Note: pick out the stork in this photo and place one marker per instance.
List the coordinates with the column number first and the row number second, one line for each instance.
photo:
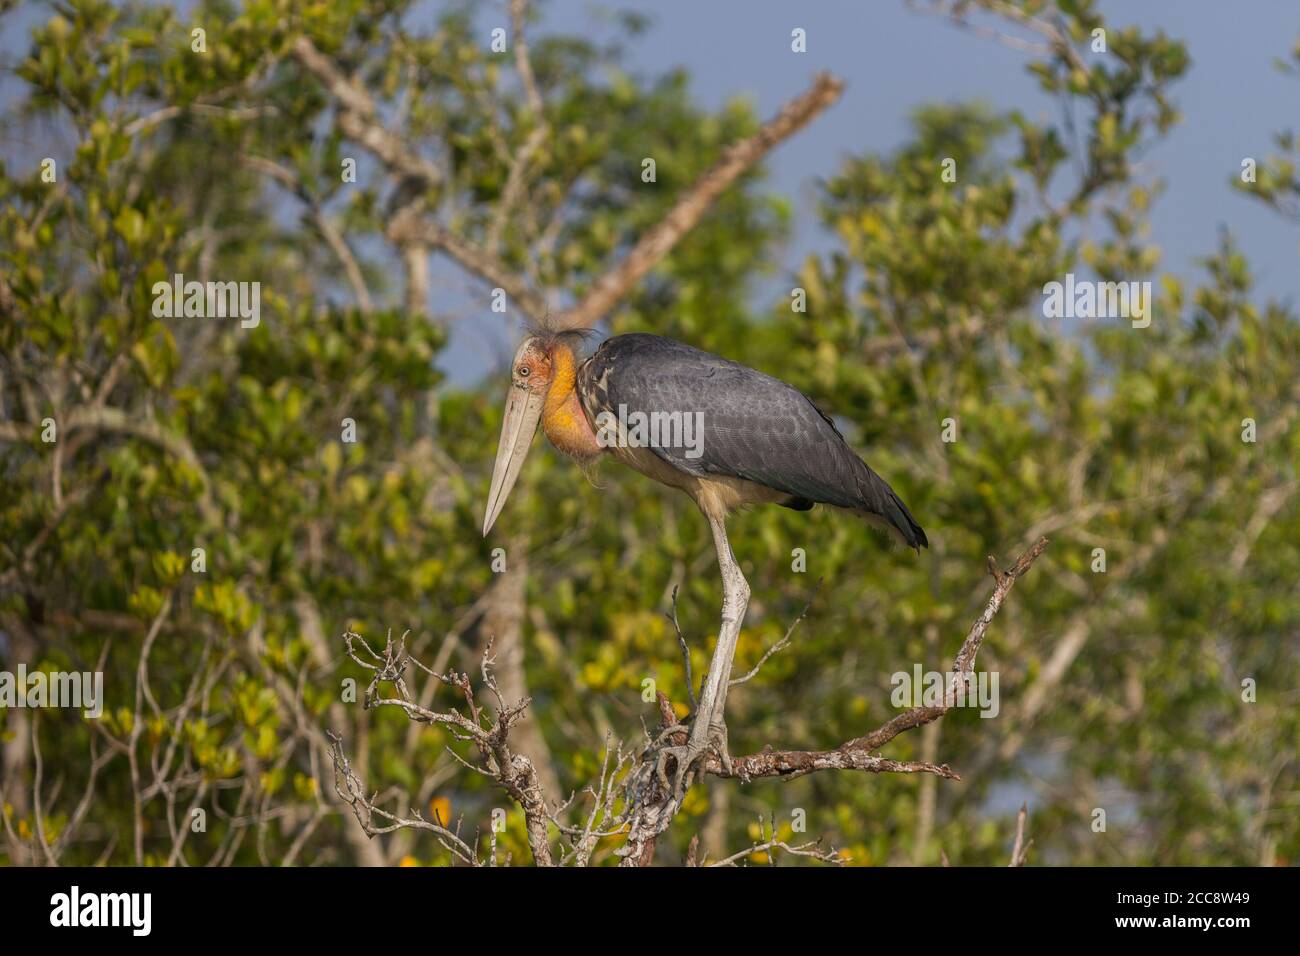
column 761, row 442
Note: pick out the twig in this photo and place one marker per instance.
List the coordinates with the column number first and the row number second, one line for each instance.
column 811, row 849
column 856, row 754
column 1020, row 849
column 366, row 811
column 333, row 238
column 782, row 643
column 686, row 652
column 359, row 117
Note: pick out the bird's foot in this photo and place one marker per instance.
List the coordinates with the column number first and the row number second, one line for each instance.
column 668, row 732
column 686, row 756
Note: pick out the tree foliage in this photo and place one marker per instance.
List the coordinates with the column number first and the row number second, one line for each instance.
column 1121, row 690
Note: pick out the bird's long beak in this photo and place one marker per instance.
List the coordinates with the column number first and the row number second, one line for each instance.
column 523, row 411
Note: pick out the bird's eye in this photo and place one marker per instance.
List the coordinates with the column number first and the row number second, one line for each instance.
column 524, row 371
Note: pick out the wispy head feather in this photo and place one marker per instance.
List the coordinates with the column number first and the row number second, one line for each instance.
column 552, row 331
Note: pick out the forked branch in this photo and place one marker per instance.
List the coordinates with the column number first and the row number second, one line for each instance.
column 857, row 754
column 630, row 797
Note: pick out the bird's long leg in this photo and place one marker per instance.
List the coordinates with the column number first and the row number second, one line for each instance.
column 735, row 600
column 708, row 726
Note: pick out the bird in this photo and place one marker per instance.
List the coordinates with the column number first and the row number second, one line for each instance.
column 727, row 435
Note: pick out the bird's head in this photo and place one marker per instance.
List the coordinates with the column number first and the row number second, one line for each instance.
column 541, row 358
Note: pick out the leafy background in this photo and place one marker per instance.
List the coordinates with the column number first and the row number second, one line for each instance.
column 1120, row 690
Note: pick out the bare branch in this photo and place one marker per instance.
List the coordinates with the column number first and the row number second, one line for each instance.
column 648, row 804
column 333, row 238
column 517, row 177
column 475, row 259
column 857, row 754
column 779, row 645
column 614, row 285
column 686, row 651
column 366, row 812
column 1020, row 849
column 512, row 771
column 359, row 118
column 811, row 849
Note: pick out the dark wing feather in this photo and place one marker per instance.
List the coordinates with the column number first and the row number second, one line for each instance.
column 754, row 426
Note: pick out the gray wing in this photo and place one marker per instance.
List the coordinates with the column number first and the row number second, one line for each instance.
column 753, row 426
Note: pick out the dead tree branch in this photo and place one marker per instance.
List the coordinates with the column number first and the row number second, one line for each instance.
column 329, row 232
column 358, row 117
column 653, row 806
column 1020, row 849
column 512, row 771
column 857, row 754
column 631, row 796
column 607, row 291
column 352, row 792
column 360, row 120
column 771, row 844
